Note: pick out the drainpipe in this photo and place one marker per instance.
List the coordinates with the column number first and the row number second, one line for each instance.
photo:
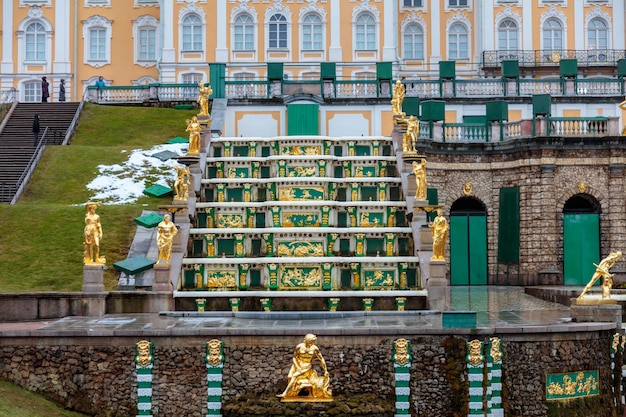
column 75, row 59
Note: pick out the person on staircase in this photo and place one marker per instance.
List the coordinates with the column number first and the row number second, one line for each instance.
column 35, row 130
column 45, row 90
column 62, row 90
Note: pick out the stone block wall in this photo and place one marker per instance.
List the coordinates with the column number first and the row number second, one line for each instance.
column 96, row 375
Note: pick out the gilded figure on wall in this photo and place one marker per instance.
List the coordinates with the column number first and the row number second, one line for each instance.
column 419, row 170
column 204, row 93
column 602, row 271
column 399, row 92
column 440, row 231
column 194, row 129
column 166, row 230
column 412, row 132
column 92, row 235
column 181, row 185
column 302, row 376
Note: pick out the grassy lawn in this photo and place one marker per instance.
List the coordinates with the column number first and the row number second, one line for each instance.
column 41, row 236
column 16, row 402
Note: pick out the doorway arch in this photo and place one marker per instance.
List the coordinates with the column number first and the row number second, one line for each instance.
column 468, row 242
column 581, row 238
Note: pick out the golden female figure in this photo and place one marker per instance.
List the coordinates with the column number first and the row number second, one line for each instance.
column 440, row 230
column 166, row 230
column 194, row 128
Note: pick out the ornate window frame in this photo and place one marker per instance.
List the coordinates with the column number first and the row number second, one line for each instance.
column 192, row 55
column 414, row 19
column 148, row 22
column 97, row 21
column 246, row 55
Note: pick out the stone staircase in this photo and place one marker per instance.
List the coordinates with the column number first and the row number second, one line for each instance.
column 16, row 139
column 301, row 223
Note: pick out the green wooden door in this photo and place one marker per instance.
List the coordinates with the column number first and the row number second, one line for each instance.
column 468, row 249
column 303, row 119
column 581, row 247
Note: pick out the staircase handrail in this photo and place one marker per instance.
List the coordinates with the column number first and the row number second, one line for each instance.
column 7, row 116
column 72, row 127
column 30, row 168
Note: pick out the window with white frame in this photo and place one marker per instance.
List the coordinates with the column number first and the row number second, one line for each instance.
column 365, row 31
column 458, row 42
column 192, row 33
column 192, row 78
column 35, row 41
column 312, row 33
column 412, row 3
column 97, row 34
column 597, row 34
column 552, row 34
column 32, row 91
column 458, row 3
column 277, row 31
column 244, row 33
column 145, row 33
column 97, row 2
column 507, row 35
column 413, row 41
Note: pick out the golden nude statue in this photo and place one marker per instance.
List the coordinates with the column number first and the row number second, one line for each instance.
column 194, row 128
column 181, row 185
column 419, row 170
column 602, row 271
column 440, row 231
column 92, row 235
column 203, row 98
column 302, row 376
column 411, row 134
column 166, row 230
column 398, row 98
column 622, row 106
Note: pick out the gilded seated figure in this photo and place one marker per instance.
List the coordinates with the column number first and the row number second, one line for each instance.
column 302, row 375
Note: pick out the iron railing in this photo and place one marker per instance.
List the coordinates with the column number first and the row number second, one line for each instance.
column 552, row 57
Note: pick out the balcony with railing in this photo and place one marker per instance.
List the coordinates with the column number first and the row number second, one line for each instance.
column 552, row 57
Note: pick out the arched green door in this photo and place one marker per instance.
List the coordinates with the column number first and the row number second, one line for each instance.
column 581, row 247
column 468, row 249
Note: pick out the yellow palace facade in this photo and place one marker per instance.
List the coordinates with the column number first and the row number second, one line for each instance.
column 137, row 42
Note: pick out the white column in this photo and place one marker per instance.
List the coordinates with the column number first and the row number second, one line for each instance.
column 619, row 13
column 221, row 52
column 390, row 31
column 528, row 27
column 436, row 35
column 168, row 53
column 334, row 53
column 486, row 27
column 8, row 36
column 61, row 62
column 578, row 27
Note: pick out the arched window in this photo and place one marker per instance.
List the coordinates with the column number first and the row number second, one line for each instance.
column 552, row 35
column 507, row 35
column 458, row 42
column 365, row 32
column 192, row 33
column 597, row 34
column 35, row 42
column 312, row 33
column 244, row 33
column 413, row 42
column 278, row 31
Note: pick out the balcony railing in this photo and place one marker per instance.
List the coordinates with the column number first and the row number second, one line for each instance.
column 552, row 57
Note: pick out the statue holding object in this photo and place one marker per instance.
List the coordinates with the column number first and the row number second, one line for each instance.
column 602, row 271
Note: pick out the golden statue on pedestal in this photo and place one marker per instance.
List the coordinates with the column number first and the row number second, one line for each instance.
column 440, row 230
column 412, row 132
column 181, row 185
column 397, row 99
column 166, row 230
column 194, row 128
column 419, row 170
column 303, row 378
column 602, row 271
column 92, row 235
column 203, row 98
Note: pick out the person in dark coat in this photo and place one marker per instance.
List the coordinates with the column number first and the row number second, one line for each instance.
column 62, row 90
column 45, row 90
column 35, row 130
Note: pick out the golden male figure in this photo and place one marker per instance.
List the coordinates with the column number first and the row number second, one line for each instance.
column 166, row 230
column 602, row 271
column 440, row 230
column 302, row 375
column 203, row 98
column 419, row 170
column 398, row 97
column 181, row 185
column 92, row 234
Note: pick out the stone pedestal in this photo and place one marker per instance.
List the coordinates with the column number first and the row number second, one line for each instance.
column 426, row 238
column 437, row 277
column 585, row 311
column 93, row 278
column 162, row 278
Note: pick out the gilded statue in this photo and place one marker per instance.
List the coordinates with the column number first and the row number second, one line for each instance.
column 181, row 185
column 411, row 134
column 398, row 98
column 602, row 271
column 92, row 235
column 194, row 128
column 302, row 376
column 166, row 230
column 419, row 170
column 204, row 93
column 440, row 231
column 622, row 106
